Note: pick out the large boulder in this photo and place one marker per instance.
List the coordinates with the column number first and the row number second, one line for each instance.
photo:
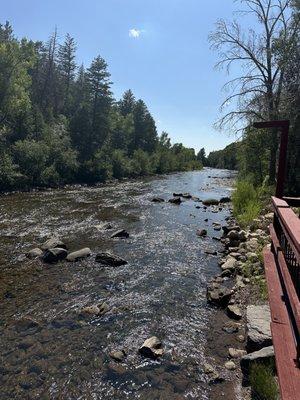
column 152, row 348
column 258, row 327
column 263, row 356
column 109, row 259
column 234, row 312
column 54, row 255
column 79, row 254
column 52, row 243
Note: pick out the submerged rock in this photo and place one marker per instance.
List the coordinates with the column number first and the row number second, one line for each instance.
column 79, row 254
column 112, row 260
column 104, row 226
column 34, row 253
column 152, row 348
column 53, row 243
column 186, row 195
column 201, row 232
column 99, row 309
column 121, row 233
column 177, row 194
column 118, row 355
column 54, row 255
column 27, row 324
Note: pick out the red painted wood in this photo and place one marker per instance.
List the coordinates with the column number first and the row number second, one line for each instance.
column 282, row 333
column 290, row 224
column 279, row 202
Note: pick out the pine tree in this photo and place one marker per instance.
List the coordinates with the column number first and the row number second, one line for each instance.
column 67, row 67
column 127, row 103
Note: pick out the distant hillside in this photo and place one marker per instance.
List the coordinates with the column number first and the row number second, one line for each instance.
column 226, row 158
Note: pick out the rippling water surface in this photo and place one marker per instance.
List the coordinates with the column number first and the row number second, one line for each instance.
column 161, row 291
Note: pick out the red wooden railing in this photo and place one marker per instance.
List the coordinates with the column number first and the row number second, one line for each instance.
column 282, row 267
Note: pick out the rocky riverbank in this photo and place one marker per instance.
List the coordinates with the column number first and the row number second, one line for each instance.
column 239, row 331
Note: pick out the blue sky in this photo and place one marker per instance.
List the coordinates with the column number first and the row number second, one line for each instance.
column 158, row 48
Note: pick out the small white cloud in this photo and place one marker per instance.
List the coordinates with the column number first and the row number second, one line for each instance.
column 135, row 33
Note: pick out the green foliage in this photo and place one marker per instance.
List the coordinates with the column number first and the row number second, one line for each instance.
column 246, row 202
column 225, row 159
column 60, row 124
column 263, row 382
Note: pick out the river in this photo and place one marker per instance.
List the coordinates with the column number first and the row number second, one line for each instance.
column 161, row 291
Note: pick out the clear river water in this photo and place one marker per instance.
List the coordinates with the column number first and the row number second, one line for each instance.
column 161, row 291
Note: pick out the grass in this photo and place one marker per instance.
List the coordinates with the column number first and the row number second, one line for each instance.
column 263, row 382
column 246, row 202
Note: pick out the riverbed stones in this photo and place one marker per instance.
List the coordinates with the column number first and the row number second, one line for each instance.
column 109, row 259
column 231, row 327
column 152, row 348
column 263, row 356
column 177, row 194
column 229, row 264
column 201, row 232
column 79, row 254
column 236, row 353
column 94, row 309
column 234, row 312
column 121, row 233
column 186, row 195
column 258, row 327
column 176, row 200
column 118, row 355
column 54, row 255
column 34, row 253
column 27, row 325
column 230, row 365
column 52, row 243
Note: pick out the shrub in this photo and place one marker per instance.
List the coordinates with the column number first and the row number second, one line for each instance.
column 246, row 202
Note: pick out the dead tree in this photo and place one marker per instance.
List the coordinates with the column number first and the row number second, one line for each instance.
column 262, row 57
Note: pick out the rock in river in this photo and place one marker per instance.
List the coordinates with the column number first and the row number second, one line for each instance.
column 112, row 260
column 79, row 254
column 117, row 355
column 201, row 232
column 157, row 200
column 53, row 243
column 176, row 200
column 34, row 253
column 210, row 202
column 234, row 312
column 54, row 255
column 121, row 233
column 99, row 309
column 219, row 296
column 152, row 348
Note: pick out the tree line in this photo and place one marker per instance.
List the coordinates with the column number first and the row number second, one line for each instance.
column 264, row 86
column 59, row 122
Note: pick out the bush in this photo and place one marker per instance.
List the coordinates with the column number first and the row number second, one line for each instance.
column 263, row 382
column 246, row 202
